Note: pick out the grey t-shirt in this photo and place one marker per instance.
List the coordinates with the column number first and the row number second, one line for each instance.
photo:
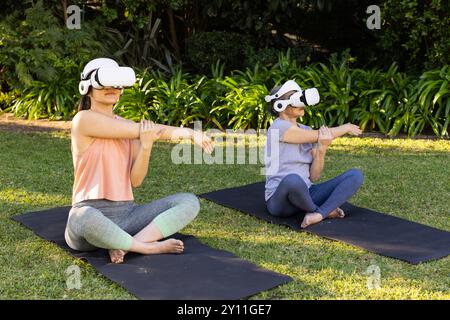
column 290, row 157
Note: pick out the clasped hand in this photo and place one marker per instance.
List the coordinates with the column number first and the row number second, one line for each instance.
column 325, row 137
column 150, row 132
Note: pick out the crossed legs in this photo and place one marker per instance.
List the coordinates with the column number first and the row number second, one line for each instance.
column 88, row 228
column 319, row 201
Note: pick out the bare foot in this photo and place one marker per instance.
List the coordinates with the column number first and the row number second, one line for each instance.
column 117, row 255
column 166, row 246
column 311, row 218
column 336, row 213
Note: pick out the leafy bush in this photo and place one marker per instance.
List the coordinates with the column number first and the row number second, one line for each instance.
column 7, row 98
column 415, row 33
column 386, row 101
column 43, row 59
column 205, row 48
column 46, row 100
column 382, row 98
column 178, row 100
column 40, row 49
column 268, row 57
column 243, row 106
column 139, row 46
column 432, row 102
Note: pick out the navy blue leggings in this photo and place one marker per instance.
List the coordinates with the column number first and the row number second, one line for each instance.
column 293, row 196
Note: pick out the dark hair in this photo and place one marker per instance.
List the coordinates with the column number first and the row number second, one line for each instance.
column 271, row 103
column 85, row 102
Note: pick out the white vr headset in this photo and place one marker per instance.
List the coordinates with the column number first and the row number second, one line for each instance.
column 103, row 72
column 300, row 98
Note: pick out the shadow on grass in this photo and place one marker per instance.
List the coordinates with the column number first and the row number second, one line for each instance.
column 313, row 264
column 303, row 256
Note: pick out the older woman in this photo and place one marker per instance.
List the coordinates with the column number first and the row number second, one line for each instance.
column 294, row 163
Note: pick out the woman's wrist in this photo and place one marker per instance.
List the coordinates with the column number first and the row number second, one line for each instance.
column 322, row 149
column 346, row 128
column 147, row 147
column 339, row 131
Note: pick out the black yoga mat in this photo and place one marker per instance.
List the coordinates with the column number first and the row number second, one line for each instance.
column 201, row 272
column 374, row 231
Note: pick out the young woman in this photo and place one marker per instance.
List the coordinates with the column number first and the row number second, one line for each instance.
column 110, row 157
column 294, row 163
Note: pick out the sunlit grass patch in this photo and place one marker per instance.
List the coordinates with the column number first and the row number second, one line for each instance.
column 405, row 178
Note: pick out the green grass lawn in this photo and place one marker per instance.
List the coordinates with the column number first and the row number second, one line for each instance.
column 406, row 178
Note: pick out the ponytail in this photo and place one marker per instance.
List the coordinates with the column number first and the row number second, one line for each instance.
column 85, row 103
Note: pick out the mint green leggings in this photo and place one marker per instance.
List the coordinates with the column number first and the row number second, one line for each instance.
column 107, row 224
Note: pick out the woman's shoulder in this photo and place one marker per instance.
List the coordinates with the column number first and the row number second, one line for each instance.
column 87, row 117
column 278, row 122
column 80, row 114
column 119, row 117
column 84, row 117
column 303, row 126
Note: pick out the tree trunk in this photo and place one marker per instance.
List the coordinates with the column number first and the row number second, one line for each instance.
column 173, row 32
column 64, row 7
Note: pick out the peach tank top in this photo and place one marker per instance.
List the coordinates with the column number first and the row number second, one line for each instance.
column 103, row 171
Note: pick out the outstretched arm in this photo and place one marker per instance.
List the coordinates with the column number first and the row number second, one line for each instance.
column 176, row 133
column 298, row 135
column 347, row 128
column 97, row 125
column 149, row 133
